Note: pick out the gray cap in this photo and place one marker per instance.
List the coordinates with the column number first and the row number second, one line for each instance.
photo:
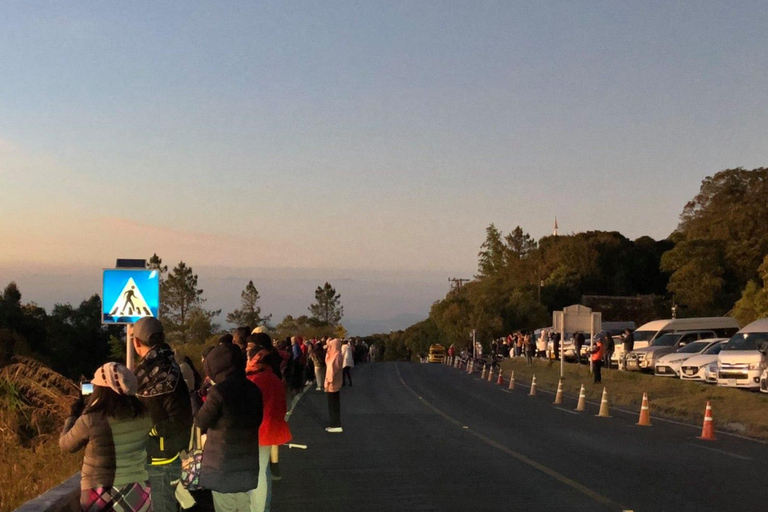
column 146, row 327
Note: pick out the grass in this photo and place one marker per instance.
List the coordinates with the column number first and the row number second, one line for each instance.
column 34, row 401
column 735, row 410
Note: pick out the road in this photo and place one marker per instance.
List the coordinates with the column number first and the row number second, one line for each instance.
column 421, row 437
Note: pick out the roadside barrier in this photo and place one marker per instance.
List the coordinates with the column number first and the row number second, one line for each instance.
column 533, row 387
column 559, row 394
column 500, row 380
column 604, row 413
column 512, row 379
column 482, row 375
column 708, row 430
column 645, row 413
column 582, row 405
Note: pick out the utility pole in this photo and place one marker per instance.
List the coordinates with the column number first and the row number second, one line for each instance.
column 457, row 283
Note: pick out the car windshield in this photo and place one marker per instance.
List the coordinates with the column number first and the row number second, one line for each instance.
column 693, row 348
column 746, row 341
column 714, row 349
column 643, row 335
column 667, row 340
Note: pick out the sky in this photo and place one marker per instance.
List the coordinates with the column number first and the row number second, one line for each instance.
column 367, row 142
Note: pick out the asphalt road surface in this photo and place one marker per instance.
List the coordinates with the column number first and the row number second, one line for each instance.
column 421, row 437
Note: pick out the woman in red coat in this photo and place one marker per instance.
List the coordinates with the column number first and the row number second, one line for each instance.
column 274, row 430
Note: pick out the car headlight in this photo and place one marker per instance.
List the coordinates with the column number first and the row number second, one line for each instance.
column 757, row 366
column 712, row 367
column 675, row 361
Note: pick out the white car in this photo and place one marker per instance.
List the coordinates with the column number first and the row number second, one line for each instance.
column 764, row 381
column 696, row 367
column 670, row 364
column 710, row 373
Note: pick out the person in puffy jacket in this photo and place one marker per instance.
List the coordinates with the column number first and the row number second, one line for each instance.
column 333, row 382
column 347, row 355
column 113, row 428
column 274, row 430
column 231, row 416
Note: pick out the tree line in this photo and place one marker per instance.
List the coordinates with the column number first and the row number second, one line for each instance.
column 714, row 263
column 73, row 341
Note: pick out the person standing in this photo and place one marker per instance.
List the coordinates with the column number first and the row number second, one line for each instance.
column 274, row 430
column 598, row 353
column 230, row 416
column 163, row 392
column 578, row 342
column 610, row 346
column 530, row 348
column 333, row 383
column 113, row 428
column 318, row 361
column 628, row 346
column 349, row 362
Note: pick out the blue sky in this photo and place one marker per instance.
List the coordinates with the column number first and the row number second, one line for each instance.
column 363, row 135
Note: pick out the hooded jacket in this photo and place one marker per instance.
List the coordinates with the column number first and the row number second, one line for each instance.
column 274, row 429
column 231, row 415
column 333, row 364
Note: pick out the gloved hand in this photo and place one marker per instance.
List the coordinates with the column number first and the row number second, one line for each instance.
column 77, row 407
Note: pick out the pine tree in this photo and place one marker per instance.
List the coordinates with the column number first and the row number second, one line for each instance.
column 327, row 307
column 249, row 313
column 182, row 307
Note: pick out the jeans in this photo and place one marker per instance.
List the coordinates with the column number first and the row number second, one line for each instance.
column 596, row 367
column 320, row 376
column 334, row 408
column 163, row 493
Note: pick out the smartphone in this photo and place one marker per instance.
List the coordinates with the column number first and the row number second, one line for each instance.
column 86, row 388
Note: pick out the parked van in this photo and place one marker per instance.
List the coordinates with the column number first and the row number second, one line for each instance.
column 436, row 354
column 741, row 362
column 646, row 334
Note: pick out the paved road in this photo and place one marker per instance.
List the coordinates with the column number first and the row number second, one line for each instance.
column 423, row 437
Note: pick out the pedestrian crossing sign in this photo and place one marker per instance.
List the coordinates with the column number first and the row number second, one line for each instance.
column 129, row 294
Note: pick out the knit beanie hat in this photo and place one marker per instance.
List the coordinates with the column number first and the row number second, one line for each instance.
column 117, row 377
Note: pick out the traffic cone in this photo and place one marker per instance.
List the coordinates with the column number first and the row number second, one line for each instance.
column 708, row 430
column 490, row 374
column 645, row 413
column 469, row 366
column 533, row 387
column 604, row 406
column 482, row 375
column 581, row 406
column 512, row 380
column 559, row 394
column 500, row 380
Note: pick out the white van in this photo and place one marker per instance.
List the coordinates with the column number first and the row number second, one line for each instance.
column 722, row 326
column 742, row 360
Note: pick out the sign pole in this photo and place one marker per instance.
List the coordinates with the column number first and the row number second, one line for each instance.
column 129, row 346
column 591, row 341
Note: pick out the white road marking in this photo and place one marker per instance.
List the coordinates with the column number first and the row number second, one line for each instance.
column 735, row 455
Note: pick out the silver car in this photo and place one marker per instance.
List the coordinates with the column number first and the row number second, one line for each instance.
column 644, row 359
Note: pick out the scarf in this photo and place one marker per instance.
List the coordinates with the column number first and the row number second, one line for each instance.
column 157, row 373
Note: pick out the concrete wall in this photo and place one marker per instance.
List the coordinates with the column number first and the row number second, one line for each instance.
column 62, row 498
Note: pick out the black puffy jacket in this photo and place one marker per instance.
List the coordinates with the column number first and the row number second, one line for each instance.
column 231, row 416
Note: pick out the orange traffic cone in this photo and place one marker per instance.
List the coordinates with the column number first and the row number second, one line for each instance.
column 482, row 375
column 581, row 406
column 470, row 366
column 533, row 387
column 500, row 380
column 604, row 406
column 708, row 430
column 512, row 380
column 645, row 413
column 490, row 374
column 559, row 394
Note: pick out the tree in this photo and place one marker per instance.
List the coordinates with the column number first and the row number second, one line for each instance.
column 753, row 304
column 730, row 208
column 305, row 326
column 491, row 255
column 697, row 277
column 327, row 307
column 249, row 313
column 181, row 307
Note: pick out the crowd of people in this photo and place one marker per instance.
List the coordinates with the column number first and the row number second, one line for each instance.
column 547, row 345
column 162, row 436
